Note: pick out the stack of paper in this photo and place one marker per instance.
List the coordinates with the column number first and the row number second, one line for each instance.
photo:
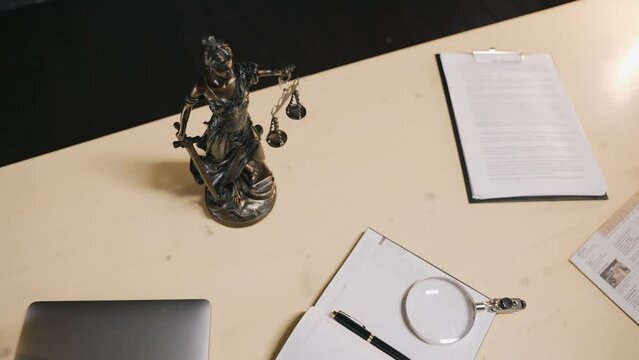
column 370, row 286
column 517, row 131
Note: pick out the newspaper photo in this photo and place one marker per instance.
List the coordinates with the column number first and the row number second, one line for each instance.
column 610, row 258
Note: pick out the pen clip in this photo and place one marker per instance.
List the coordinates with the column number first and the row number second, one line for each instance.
column 352, row 319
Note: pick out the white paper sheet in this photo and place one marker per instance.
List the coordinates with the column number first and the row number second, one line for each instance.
column 518, row 129
column 370, row 286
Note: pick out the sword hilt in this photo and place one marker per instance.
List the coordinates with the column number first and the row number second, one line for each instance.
column 186, row 142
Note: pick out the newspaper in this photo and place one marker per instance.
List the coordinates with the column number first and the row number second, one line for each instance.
column 610, row 258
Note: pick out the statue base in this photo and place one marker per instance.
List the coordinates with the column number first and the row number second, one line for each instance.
column 243, row 206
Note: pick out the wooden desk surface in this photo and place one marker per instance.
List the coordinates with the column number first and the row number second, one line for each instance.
column 120, row 217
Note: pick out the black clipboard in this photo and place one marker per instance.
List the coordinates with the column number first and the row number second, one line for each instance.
column 460, row 151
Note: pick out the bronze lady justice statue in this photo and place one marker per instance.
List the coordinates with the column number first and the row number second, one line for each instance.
column 240, row 189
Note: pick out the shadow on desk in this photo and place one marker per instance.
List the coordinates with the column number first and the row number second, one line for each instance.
column 171, row 177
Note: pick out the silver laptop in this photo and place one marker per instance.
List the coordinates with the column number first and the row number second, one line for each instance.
column 116, row 330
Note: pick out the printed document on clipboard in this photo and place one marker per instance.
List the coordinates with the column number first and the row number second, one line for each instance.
column 517, row 133
column 371, row 286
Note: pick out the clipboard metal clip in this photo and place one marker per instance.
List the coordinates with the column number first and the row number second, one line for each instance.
column 494, row 55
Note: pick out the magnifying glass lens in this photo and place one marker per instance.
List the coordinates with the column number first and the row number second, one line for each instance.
column 439, row 311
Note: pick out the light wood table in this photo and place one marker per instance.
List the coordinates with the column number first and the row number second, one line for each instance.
column 121, row 218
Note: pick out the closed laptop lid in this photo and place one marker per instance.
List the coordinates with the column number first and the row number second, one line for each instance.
column 123, row 330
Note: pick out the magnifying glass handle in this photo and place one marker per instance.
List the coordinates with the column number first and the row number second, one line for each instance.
column 502, row 305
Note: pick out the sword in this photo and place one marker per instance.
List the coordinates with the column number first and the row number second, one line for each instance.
column 195, row 157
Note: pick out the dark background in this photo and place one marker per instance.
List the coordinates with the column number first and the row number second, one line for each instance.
column 75, row 70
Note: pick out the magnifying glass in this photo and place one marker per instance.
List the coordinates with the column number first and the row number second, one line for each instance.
column 440, row 311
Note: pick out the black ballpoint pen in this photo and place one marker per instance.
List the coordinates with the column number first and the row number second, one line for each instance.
column 360, row 330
